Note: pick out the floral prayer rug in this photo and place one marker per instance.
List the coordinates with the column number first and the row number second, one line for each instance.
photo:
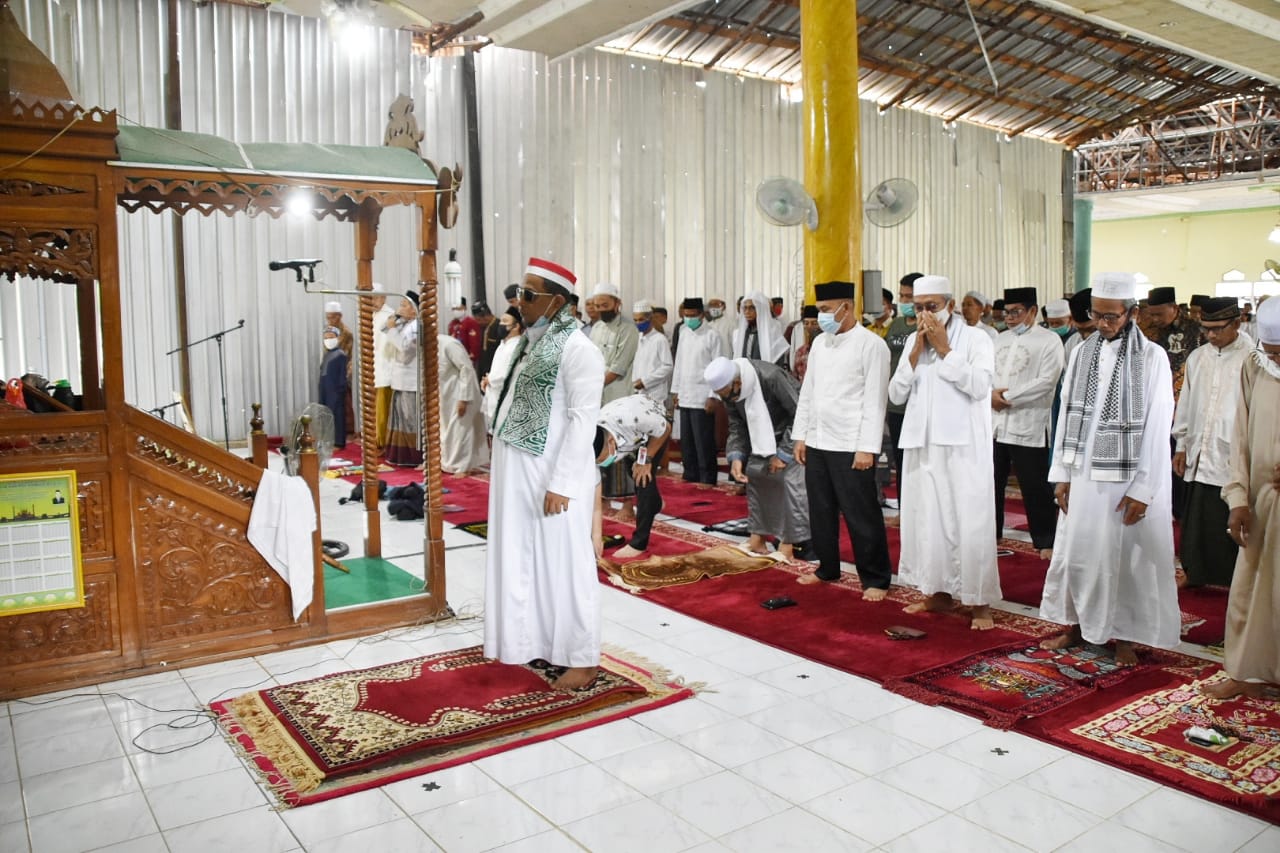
column 658, row 572
column 1005, row 685
column 346, row 732
column 1147, row 734
column 475, row 528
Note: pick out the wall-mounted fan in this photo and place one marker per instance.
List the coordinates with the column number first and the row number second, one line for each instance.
column 1273, row 267
column 784, row 201
column 892, row 202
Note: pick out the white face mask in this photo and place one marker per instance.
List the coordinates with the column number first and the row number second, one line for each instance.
column 1021, row 328
column 330, row 343
column 715, row 313
column 459, row 313
column 942, row 316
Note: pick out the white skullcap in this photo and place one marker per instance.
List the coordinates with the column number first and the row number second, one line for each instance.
column 644, row 306
column 334, row 307
column 978, row 297
column 1057, row 309
column 720, row 373
column 1115, row 285
column 1268, row 318
column 604, row 288
column 932, row 285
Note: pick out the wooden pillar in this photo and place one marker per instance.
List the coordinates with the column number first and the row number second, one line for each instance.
column 829, row 64
column 87, row 320
column 309, row 470
column 258, row 437
column 429, row 391
column 366, row 242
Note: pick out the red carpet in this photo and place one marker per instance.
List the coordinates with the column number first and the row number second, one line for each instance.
column 351, row 731
column 699, row 505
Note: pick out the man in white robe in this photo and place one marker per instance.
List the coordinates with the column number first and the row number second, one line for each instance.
column 948, row 491
column 972, row 308
column 652, row 367
column 1111, row 576
column 759, row 334
column 617, row 338
column 722, row 321
column 382, row 314
column 462, row 437
column 1203, row 429
column 541, row 590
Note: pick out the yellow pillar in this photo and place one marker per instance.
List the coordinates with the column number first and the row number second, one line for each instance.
column 829, row 63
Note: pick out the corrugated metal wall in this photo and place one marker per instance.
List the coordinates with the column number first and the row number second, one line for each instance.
column 623, row 169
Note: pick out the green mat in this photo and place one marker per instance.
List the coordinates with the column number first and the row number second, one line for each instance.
column 371, row 579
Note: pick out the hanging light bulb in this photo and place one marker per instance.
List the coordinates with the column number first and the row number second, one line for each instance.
column 453, row 278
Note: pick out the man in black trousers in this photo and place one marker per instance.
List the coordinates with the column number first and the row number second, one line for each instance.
column 838, row 429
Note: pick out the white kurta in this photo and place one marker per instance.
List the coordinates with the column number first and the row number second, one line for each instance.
column 948, row 511
column 498, row 369
column 462, row 439
column 1116, row 582
column 1205, row 421
column 541, row 590
column 1028, row 366
column 381, row 361
column 653, row 365
column 698, row 348
column 842, row 400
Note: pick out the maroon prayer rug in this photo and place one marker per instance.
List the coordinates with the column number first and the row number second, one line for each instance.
column 334, row 735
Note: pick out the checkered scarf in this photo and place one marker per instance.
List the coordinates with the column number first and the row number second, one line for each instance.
column 1117, row 444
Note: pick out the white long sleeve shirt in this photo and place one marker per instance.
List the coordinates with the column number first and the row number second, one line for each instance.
column 402, row 350
column 698, row 348
column 842, row 399
column 948, row 399
column 1028, row 366
column 381, row 363
column 1204, row 421
column 653, row 365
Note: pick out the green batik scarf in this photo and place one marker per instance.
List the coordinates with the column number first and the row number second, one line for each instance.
column 527, row 420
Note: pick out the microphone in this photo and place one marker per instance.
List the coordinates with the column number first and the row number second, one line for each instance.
column 295, row 265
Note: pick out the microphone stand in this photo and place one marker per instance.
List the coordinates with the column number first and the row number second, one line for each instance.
column 222, row 375
column 159, row 411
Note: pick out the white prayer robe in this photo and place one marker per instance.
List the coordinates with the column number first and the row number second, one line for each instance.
column 1204, row 423
column 1116, row 582
column 462, row 439
column 653, row 365
column 948, row 514
column 698, row 348
column 381, row 360
column 498, row 370
column 541, row 589
column 1028, row 366
column 617, row 342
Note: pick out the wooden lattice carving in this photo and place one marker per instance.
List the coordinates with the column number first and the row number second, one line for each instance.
column 194, row 469
column 57, row 254
column 87, row 442
column 56, row 635
column 30, row 188
column 95, row 519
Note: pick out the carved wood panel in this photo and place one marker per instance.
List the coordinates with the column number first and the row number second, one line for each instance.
column 197, row 573
column 56, row 635
column 95, row 518
column 67, row 255
column 42, row 445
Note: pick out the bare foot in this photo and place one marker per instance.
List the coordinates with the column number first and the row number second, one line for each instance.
column 1046, row 553
column 809, row 579
column 626, row 552
column 1227, row 688
column 575, row 678
column 756, row 544
column 1063, row 641
column 787, row 552
column 874, row 594
column 1180, row 577
column 627, row 514
column 1126, row 655
column 981, row 619
column 939, row 602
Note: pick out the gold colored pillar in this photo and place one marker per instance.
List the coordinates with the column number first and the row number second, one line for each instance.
column 829, row 63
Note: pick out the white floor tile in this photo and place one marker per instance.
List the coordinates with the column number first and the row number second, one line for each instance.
column 610, row 739
column 705, row 641
column 8, row 762
column 794, row 831
column 861, row 700
column 194, row 800
column 733, row 742
column 1029, row 817
column 11, row 806
column 742, row 696
column 721, row 803
column 1091, row 785
column 45, row 755
column 798, row 774
column 942, row 780
column 950, row 832
column 229, row 685
column 92, row 825
column 1110, row 835
column 551, row 841
column 434, row 790
column 1005, row 753
column 146, row 844
column 643, row 827
column 470, row 825
column 931, row 727
column 398, row 836
column 575, row 793
column 801, row 720
column 13, row 838
column 64, row 719
column 752, row 658
column 258, row 829
column 342, row 816
column 167, row 697
column 76, row 786
column 1190, row 822
column 805, row 678
column 1267, row 841
column 49, row 701
column 874, row 811
column 867, row 749
column 659, row 766
column 525, row 763
column 159, row 770
column 682, row 717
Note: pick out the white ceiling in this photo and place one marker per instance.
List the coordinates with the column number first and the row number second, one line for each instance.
column 1218, row 196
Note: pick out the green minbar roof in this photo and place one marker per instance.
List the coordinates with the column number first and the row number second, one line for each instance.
column 182, row 149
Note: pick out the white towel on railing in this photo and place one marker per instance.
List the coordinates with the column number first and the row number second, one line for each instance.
column 280, row 527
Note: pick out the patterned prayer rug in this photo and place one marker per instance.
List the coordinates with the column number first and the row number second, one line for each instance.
column 1146, row 734
column 1007, row 684
column 475, row 528
column 351, row 731
column 658, row 572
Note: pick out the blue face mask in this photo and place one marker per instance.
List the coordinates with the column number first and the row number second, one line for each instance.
column 1063, row 331
column 645, row 326
column 907, row 309
column 693, row 322
column 608, row 460
column 828, row 323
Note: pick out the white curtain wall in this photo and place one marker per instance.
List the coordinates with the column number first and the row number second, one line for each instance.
column 622, row 169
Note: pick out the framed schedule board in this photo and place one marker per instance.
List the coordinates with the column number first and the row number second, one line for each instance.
column 39, row 543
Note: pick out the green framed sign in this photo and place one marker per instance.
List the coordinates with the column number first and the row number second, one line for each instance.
column 40, row 565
